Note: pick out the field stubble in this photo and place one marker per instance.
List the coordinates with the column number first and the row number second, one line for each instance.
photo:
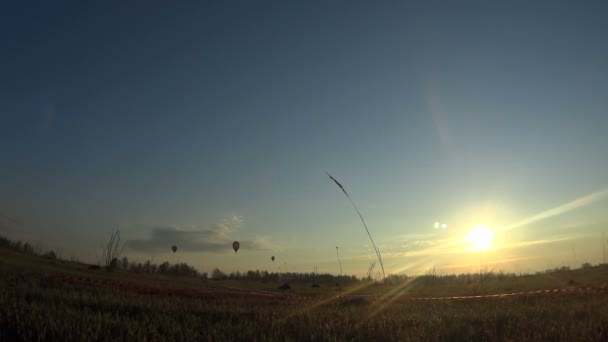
column 34, row 308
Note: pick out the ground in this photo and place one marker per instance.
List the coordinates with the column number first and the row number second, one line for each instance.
column 47, row 299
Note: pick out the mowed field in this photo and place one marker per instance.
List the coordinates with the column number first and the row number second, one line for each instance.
column 43, row 299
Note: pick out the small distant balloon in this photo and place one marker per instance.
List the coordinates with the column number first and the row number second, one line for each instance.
column 272, row 258
column 174, row 249
column 436, row 225
column 235, row 246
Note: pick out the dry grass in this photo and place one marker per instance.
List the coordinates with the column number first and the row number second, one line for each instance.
column 34, row 308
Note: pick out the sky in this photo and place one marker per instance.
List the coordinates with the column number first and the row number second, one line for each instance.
column 197, row 123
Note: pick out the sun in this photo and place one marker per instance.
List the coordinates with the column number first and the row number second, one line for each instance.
column 480, row 238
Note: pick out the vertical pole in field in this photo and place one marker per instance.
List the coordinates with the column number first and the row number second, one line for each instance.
column 339, row 262
column 573, row 257
column 604, row 245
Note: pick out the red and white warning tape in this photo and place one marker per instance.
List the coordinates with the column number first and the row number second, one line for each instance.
column 233, row 292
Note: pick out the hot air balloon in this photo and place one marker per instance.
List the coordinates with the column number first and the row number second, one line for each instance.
column 174, row 249
column 235, row 246
column 272, row 258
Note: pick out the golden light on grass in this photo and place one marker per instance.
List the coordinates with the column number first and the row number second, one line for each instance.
column 480, row 238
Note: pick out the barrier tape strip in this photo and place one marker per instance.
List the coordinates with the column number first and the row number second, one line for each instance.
column 578, row 290
column 235, row 292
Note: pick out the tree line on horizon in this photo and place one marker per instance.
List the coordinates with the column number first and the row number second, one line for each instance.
column 183, row 269
column 123, row 263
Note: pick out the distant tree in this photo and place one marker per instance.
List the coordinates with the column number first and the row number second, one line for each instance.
column 50, row 254
column 217, row 274
column 27, row 248
column 586, row 265
column 163, row 268
column 112, row 250
column 124, row 263
column 4, row 242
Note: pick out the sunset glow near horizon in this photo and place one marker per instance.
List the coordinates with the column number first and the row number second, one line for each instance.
column 461, row 132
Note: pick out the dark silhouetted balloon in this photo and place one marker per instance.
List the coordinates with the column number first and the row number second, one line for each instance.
column 272, row 258
column 235, row 246
column 174, row 249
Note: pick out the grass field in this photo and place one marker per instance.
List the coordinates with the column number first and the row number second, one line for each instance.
column 34, row 305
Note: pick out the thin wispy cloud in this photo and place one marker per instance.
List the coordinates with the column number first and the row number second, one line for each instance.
column 549, row 240
column 413, row 241
column 426, row 243
column 448, row 246
column 562, row 209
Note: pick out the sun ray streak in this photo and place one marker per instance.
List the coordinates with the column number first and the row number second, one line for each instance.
column 562, row 209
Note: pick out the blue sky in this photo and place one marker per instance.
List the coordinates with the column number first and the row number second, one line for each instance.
column 206, row 122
